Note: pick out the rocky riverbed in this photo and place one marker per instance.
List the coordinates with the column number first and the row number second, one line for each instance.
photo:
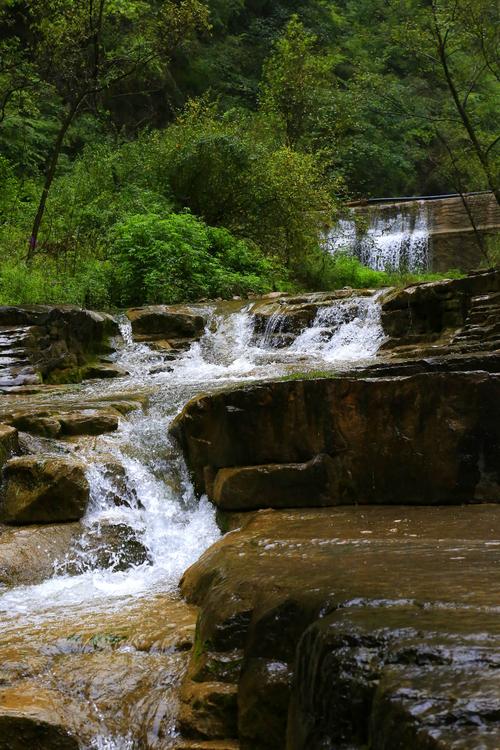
column 343, row 613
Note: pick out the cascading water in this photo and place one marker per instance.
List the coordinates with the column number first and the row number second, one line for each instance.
column 347, row 331
column 396, row 238
column 144, row 526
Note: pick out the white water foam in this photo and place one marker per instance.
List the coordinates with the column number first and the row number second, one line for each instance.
column 347, row 331
column 392, row 241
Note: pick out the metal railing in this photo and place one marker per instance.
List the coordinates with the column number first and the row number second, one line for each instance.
column 408, row 198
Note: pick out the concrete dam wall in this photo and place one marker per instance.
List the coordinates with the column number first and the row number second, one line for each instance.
column 434, row 234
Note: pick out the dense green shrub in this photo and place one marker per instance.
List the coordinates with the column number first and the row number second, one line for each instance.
column 178, row 257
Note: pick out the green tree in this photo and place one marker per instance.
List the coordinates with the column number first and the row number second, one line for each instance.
column 86, row 50
column 295, row 82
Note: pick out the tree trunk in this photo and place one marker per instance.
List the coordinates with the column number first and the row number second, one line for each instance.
column 49, row 178
column 460, row 189
column 480, row 152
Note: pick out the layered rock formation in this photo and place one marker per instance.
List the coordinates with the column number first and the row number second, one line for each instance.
column 426, row 439
column 43, row 343
column 460, row 316
column 332, row 628
column 354, row 627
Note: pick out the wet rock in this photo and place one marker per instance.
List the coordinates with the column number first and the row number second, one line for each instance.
column 52, row 343
column 9, row 443
column 39, row 423
column 88, row 422
column 275, row 485
column 107, row 547
column 426, row 439
column 165, row 322
column 263, row 697
column 27, row 555
column 208, row 710
column 397, row 677
column 102, row 370
column 38, row 420
column 115, row 483
column 33, row 718
column 267, row 589
column 43, row 490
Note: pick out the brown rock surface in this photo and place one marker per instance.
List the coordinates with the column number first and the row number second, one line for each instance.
column 426, row 439
column 42, row 489
column 9, row 443
column 111, row 669
column 88, row 422
column 31, row 717
column 287, row 590
column 27, row 555
column 275, row 485
column 165, row 322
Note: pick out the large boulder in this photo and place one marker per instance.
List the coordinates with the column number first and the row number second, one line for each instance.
column 42, row 489
column 163, row 322
column 426, row 439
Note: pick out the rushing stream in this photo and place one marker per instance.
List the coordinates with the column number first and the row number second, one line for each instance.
column 95, row 592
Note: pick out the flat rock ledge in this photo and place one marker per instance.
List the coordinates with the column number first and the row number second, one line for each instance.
column 348, row 628
column 426, row 439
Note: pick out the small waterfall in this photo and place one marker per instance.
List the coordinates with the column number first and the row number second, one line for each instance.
column 273, row 327
column 396, row 239
column 349, row 330
column 144, row 525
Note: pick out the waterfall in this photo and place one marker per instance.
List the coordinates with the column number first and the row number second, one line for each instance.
column 144, row 525
column 396, row 237
column 350, row 330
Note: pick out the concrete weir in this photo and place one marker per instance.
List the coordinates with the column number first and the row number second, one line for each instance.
column 435, row 233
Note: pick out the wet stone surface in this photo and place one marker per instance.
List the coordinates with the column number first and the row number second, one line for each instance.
column 348, row 601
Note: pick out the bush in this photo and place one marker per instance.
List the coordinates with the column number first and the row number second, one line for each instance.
column 178, row 258
column 322, row 272
column 88, row 284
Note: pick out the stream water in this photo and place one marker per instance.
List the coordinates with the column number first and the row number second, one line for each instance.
column 109, row 629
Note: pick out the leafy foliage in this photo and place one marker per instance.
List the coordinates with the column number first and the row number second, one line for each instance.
column 176, row 149
column 179, row 258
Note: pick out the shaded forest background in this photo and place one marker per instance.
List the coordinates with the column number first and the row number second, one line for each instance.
column 157, row 151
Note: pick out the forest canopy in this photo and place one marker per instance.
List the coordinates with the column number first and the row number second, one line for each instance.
column 165, row 150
